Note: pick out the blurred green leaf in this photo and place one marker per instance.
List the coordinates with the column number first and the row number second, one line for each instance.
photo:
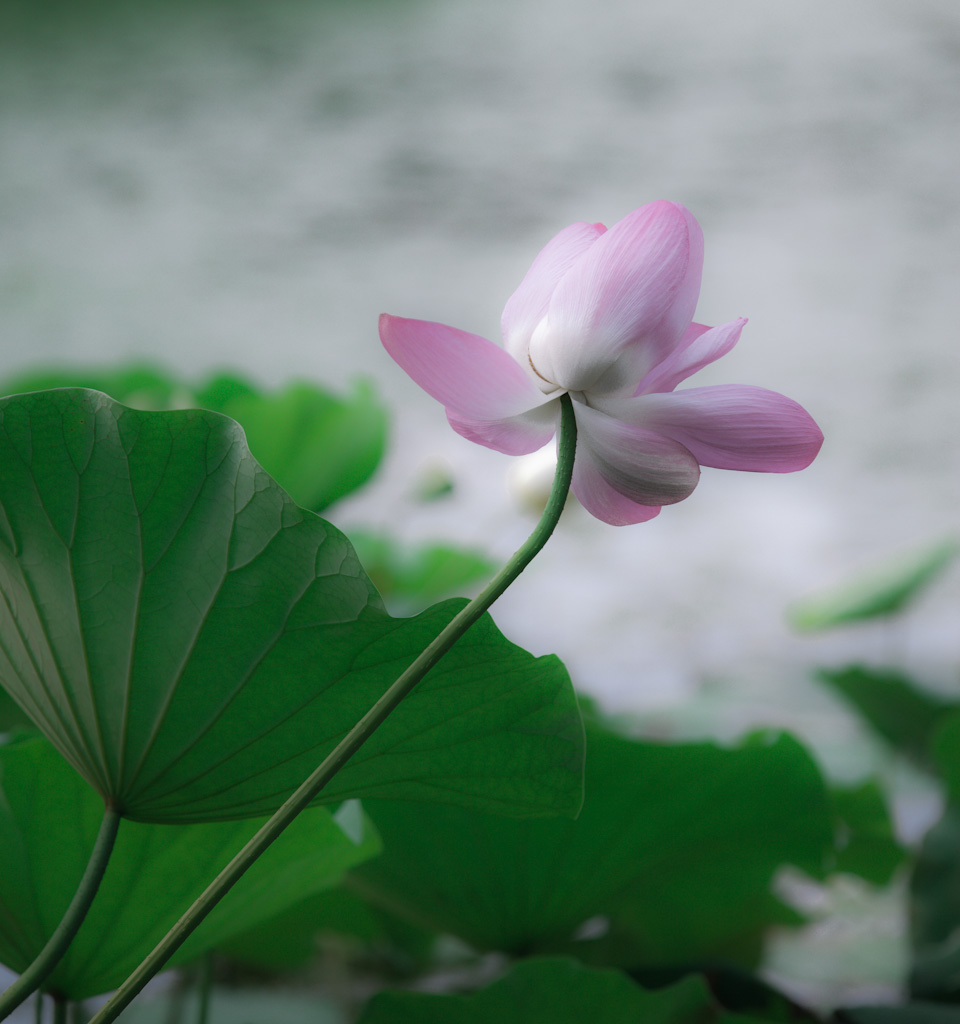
column 139, row 385
column 337, row 918
column 434, row 484
column 220, row 391
column 240, row 1006
column 673, row 855
column 48, row 822
column 555, row 991
column 879, row 593
column 417, row 576
column 903, row 714
column 911, row 1013
column 290, row 939
column 935, row 911
column 737, row 991
column 318, row 446
column 866, row 845
column 195, row 644
column 946, row 752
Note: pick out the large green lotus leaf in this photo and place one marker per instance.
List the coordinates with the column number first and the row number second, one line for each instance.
column 195, row 644
column 675, row 850
column 48, row 822
column 879, row 593
column 555, row 991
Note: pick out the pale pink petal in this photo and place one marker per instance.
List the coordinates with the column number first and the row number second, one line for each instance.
column 730, row 426
column 528, row 304
column 516, row 435
column 644, row 466
column 602, row 501
column 700, row 347
column 474, row 378
column 624, row 305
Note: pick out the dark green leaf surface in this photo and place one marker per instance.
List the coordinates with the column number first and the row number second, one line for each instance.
column 737, row 991
column 675, row 848
column 946, row 753
column 340, row 916
column 903, row 714
column 48, row 821
column 935, row 911
column 289, row 940
column 195, row 644
column 912, row 1013
column 882, row 592
column 866, row 843
column 555, row 991
column 12, row 716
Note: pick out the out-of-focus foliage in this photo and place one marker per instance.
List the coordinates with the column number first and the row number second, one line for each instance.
column 903, row 714
column 670, row 860
column 318, row 446
column 866, row 843
column 879, row 593
column 935, row 912
column 924, row 727
column 912, row 1013
column 555, row 991
column 412, row 577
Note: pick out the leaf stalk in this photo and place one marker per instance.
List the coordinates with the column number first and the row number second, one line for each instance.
column 51, row 954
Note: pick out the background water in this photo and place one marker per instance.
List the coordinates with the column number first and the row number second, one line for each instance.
column 249, row 185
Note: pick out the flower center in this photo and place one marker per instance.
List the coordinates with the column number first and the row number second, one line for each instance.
column 553, row 386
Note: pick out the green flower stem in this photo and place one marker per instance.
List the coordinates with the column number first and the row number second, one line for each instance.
column 204, row 987
column 359, row 734
column 48, row 958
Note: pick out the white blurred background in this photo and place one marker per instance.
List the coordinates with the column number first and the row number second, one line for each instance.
column 248, row 185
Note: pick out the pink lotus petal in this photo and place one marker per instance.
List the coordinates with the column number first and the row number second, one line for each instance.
column 644, row 466
column 625, row 304
column 700, row 347
column 516, row 435
column 731, row 426
column 602, row 501
column 474, row 378
column 528, row 304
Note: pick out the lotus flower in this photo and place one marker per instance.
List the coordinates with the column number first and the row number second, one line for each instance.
column 606, row 316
